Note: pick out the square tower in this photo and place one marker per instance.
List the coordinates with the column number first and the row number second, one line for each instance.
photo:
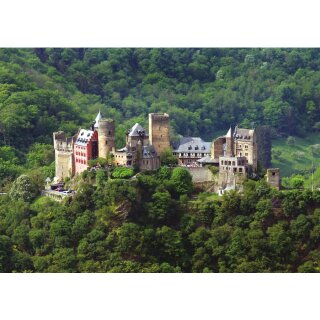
column 273, row 177
column 246, row 146
column 159, row 131
column 64, row 159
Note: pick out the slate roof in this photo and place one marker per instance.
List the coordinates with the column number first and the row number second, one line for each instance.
column 148, row 152
column 84, row 137
column 192, row 144
column 241, row 133
column 136, row 131
column 98, row 117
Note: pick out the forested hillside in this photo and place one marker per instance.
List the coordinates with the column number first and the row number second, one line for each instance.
column 151, row 224
column 158, row 222
column 203, row 90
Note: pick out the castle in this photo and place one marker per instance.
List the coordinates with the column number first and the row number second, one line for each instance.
column 142, row 150
column 234, row 154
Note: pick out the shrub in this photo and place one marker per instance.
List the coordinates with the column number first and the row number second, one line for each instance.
column 122, row 173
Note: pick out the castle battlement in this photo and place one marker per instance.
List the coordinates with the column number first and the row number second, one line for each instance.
column 61, row 142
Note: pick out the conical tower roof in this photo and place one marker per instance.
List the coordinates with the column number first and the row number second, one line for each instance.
column 98, row 117
column 229, row 133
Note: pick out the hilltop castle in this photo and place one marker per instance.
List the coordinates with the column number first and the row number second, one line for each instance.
column 234, row 154
column 141, row 150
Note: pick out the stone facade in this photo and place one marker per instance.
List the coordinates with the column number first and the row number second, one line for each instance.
column 232, row 171
column 246, row 145
column 200, row 174
column 64, row 159
column 217, row 147
column 106, row 137
column 159, row 132
column 137, row 152
column 273, row 177
column 190, row 149
column 72, row 154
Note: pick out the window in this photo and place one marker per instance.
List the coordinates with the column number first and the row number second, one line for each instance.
column 233, row 163
column 240, row 169
column 246, row 146
column 246, row 154
column 273, row 173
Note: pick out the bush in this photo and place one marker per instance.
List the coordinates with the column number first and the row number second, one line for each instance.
column 122, row 173
column 291, row 141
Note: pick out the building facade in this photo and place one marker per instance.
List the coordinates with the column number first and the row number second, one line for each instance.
column 73, row 154
column 190, row 149
column 159, row 132
column 138, row 152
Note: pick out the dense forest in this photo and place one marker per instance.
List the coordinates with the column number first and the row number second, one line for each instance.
column 151, row 224
column 204, row 91
column 109, row 226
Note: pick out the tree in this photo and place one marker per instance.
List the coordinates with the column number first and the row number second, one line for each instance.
column 167, row 159
column 101, row 178
column 23, row 189
column 181, row 180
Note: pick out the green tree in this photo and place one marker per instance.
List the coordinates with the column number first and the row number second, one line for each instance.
column 23, row 189
column 181, row 180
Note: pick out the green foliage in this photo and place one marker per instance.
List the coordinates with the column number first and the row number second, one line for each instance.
column 167, row 159
column 122, row 173
column 101, row 178
column 182, row 180
column 152, row 223
column 23, row 189
column 291, row 141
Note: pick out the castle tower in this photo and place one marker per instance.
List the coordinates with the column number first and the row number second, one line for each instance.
column 245, row 144
column 159, row 131
column 64, row 159
column 273, row 177
column 106, row 137
column 229, row 144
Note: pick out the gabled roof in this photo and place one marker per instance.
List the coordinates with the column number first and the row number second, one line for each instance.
column 241, row 133
column 136, row 131
column 98, row 117
column 84, row 137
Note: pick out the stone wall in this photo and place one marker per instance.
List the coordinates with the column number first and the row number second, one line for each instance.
column 64, row 164
column 106, row 137
column 201, row 174
column 159, row 131
column 217, row 147
column 273, row 177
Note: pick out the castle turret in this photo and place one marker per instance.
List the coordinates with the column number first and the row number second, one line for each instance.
column 229, row 144
column 106, row 137
column 159, row 131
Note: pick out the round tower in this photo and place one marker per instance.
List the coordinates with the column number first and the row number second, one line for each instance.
column 106, row 137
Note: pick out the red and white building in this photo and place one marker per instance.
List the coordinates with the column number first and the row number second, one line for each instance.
column 85, row 149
